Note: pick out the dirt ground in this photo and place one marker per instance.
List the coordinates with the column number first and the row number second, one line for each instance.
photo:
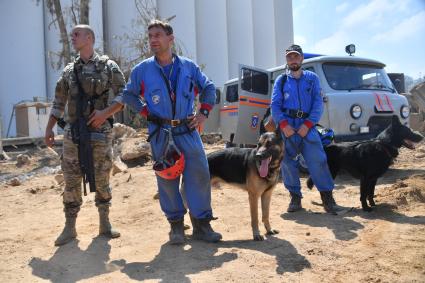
column 386, row 245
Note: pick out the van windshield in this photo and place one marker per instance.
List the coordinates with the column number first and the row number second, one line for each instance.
column 353, row 76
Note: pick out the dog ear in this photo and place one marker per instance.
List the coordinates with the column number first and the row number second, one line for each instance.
column 395, row 121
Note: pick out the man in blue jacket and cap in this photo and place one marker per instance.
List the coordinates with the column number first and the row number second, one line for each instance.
column 297, row 106
column 163, row 88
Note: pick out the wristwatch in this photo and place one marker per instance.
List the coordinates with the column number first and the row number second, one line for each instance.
column 205, row 112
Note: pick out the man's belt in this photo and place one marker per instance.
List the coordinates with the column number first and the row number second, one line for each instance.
column 296, row 113
column 161, row 121
column 173, row 123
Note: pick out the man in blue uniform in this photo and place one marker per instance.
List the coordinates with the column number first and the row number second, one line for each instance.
column 163, row 88
column 297, row 106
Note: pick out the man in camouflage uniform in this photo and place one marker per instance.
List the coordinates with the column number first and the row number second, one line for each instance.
column 100, row 78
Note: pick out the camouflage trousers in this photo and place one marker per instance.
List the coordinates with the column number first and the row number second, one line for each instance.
column 102, row 157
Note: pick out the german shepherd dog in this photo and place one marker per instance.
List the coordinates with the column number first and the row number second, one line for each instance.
column 369, row 160
column 253, row 169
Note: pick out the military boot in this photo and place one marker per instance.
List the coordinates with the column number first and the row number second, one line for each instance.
column 202, row 230
column 105, row 227
column 295, row 203
column 176, row 232
column 69, row 232
column 329, row 203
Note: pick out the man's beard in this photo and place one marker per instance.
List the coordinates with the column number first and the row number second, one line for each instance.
column 294, row 67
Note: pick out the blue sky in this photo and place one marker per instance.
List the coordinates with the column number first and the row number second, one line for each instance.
column 390, row 31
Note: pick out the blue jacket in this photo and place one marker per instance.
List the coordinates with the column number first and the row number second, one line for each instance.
column 298, row 94
column 146, row 91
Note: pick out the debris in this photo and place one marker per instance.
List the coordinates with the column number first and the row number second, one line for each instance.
column 59, row 178
column 211, row 138
column 129, row 178
column 122, row 131
column 420, row 155
column 118, row 166
column 4, row 156
column 34, row 190
column 133, row 148
column 416, row 100
column 51, row 150
column 22, row 159
column 14, row 182
column 400, row 184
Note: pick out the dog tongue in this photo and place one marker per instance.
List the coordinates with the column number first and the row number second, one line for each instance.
column 264, row 167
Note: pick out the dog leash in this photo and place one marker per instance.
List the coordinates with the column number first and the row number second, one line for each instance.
column 298, row 149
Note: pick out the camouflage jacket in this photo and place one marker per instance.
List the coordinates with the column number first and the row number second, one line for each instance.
column 100, row 78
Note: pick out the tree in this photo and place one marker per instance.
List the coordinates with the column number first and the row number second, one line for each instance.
column 84, row 12
column 61, row 17
column 137, row 38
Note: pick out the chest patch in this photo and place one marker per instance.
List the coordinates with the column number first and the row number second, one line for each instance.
column 155, row 99
column 286, row 96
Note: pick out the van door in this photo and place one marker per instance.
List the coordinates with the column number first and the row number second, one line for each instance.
column 211, row 125
column 254, row 87
column 324, row 120
column 229, row 107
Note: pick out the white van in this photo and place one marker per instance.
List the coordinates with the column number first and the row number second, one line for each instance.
column 359, row 99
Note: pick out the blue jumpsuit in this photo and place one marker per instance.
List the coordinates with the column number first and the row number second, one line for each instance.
column 301, row 94
column 147, row 92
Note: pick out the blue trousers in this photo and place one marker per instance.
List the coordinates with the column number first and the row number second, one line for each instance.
column 314, row 155
column 196, row 176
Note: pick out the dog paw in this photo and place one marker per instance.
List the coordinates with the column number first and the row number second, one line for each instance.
column 372, row 203
column 367, row 208
column 258, row 238
column 272, row 232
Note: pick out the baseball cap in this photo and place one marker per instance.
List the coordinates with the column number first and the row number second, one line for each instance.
column 294, row 48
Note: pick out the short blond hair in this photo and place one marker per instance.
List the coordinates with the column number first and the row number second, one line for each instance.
column 88, row 29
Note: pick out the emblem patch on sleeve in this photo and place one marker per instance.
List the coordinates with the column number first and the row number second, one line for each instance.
column 155, row 99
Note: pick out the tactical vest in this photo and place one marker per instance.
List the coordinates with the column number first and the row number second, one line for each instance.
column 94, row 78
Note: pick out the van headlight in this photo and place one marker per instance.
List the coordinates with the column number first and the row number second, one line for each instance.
column 405, row 111
column 356, row 111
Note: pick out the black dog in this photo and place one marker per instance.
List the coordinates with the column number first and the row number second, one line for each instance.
column 369, row 160
column 255, row 170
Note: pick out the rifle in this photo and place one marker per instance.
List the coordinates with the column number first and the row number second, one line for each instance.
column 81, row 137
column 61, row 123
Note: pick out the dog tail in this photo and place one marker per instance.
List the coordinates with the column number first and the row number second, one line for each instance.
column 310, row 183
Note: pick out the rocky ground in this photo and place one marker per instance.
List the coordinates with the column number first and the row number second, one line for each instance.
column 386, row 245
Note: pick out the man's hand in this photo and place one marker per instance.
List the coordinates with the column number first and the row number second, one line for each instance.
column 97, row 118
column 303, row 130
column 49, row 137
column 197, row 120
column 288, row 131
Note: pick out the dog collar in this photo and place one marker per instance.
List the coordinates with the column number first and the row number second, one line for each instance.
column 387, row 149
